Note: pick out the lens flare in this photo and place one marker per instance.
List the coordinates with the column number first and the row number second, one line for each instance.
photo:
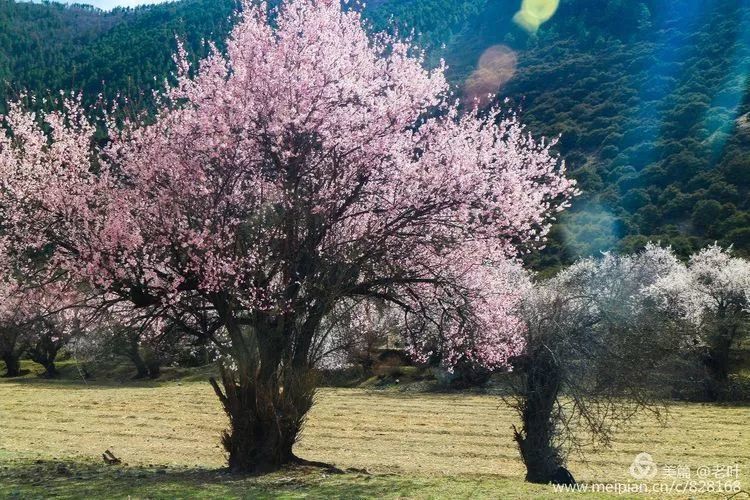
column 590, row 229
column 496, row 66
column 535, row 12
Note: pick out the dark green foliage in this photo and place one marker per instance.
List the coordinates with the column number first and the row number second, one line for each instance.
column 48, row 47
column 649, row 98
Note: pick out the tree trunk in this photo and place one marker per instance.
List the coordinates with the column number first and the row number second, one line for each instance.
column 719, row 362
column 266, row 415
column 268, row 390
column 154, row 369
column 716, row 361
column 45, row 355
column 153, row 361
column 536, row 439
column 12, row 364
column 133, row 353
column 50, row 370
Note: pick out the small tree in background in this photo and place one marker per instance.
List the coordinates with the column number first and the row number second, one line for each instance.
column 355, row 333
column 137, row 342
column 38, row 319
column 12, row 316
column 146, row 339
column 88, row 350
column 713, row 293
column 309, row 165
column 57, row 313
column 722, row 284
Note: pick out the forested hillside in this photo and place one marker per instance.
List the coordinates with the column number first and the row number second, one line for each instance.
column 49, row 46
column 649, row 97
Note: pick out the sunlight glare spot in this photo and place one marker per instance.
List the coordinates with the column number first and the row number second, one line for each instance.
column 496, row 67
column 535, row 12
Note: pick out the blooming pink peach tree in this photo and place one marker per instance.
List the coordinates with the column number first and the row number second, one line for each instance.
column 309, row 163
column 56, row 313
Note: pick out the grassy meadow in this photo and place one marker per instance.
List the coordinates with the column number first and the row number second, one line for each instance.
column 390, row 444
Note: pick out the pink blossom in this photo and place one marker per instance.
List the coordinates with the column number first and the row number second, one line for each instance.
column 311, row 163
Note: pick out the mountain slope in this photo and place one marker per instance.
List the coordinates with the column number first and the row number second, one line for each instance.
column 48, row 47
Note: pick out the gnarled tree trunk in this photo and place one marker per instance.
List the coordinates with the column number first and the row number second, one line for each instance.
column 266, row 393
column 536, row 439
column 266, row 415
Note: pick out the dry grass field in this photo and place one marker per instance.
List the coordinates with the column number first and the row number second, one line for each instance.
column 395, row 444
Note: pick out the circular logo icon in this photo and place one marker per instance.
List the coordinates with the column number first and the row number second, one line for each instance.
column 643, row 467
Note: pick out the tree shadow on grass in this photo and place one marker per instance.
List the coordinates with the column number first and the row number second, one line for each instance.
column 71, row 479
